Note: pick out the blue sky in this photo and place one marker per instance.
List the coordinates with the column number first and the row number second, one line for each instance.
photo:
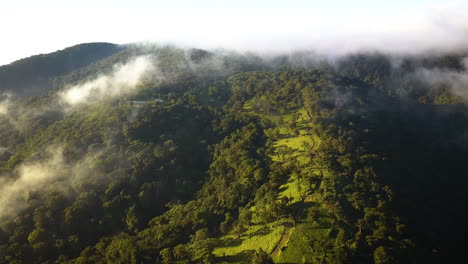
column 30, row 27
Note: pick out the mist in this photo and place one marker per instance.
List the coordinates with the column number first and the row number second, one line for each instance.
column 273, row 26
column 5, row 101
column 456, row 81
column 15, row 192
column 51, row 171
column 122, row 80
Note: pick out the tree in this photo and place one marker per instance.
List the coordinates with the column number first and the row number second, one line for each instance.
column 239, row 228
column 122, row 250
column 245, row 216
column 166, row 255
column 311, row 99
column 181, row 252
column 226, row 225
column 382, row 256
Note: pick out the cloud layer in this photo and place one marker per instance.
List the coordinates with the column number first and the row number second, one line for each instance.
column 265, row 26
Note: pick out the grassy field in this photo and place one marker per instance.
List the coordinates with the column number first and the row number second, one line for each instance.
column 298, row 247
column 293, row 189
column 256, row 237
column 292, row 142
column 299, row 143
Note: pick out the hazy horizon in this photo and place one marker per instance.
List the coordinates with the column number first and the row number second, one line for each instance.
column 261, row 26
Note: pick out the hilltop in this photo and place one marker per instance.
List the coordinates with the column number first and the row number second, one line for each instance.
column 35, row 74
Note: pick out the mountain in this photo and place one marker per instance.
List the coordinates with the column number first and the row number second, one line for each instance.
column 157, row 154
column 33, row 75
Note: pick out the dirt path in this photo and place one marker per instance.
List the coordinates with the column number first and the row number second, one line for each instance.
column 284, row 239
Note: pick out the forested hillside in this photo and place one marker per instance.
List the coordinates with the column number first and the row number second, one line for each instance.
column 34, row 75
column 156, row 154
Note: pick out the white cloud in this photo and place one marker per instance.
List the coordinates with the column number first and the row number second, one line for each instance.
column 14, row 192
column 5, row 101
column 122, row 80
column 457, row 81
column 338, row 26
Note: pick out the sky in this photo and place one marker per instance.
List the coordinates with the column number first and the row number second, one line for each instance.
column 30, row 27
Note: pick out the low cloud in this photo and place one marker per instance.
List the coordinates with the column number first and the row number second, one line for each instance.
column 3, row 150
column 14, row 192
column 51, row 172
column 456, row 81
column 122, row 80
column 5, row 101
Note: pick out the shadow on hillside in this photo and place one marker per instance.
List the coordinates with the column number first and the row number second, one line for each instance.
column 261, row 232
column 284, row 136
column 231, row 242
column 298, row 209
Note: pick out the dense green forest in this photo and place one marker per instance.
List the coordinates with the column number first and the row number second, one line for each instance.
column 156, row 154
column 33, row 75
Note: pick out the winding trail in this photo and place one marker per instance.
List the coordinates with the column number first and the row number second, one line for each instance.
column 289, row 229
column 284, row 239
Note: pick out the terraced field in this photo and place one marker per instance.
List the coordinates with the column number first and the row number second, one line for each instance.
column 285, row 240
